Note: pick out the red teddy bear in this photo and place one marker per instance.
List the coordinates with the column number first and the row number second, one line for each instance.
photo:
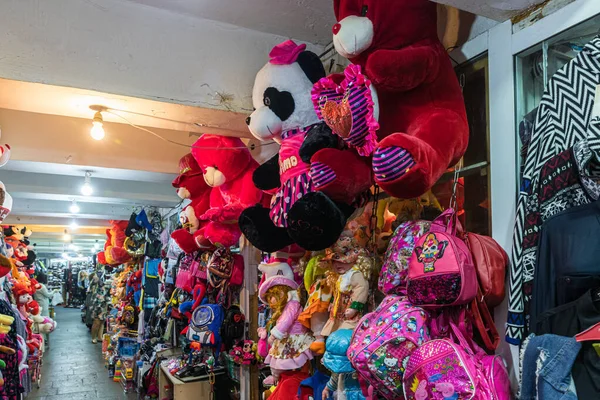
column 422, row 117
column 227, row 166
column 190, row 184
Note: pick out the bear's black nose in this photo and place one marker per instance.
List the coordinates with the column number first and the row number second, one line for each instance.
column 248, row 121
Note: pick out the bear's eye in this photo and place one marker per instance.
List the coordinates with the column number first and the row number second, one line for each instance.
column 364, row 10
column 267, row 101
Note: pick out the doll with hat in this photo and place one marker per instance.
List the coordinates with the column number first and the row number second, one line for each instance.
column 344, row 379
column 319, row 282
column 289, row 340
column 351, row 262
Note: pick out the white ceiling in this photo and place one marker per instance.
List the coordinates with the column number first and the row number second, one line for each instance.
column 309, row 20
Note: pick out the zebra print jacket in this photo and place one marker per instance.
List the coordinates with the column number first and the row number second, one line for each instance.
column 562, row 120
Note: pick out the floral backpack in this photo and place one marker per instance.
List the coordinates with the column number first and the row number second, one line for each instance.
column 441, row 271
column 394, row 271
column 383, row 341
column 455, row 369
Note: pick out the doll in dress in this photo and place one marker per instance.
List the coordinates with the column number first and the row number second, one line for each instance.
column 319, row 282
column 353, row 265
column 288, row 339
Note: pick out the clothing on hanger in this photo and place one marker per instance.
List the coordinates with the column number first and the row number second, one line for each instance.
column 567, row 264
column 569, row 320
column 565, row 183
column 556, row 128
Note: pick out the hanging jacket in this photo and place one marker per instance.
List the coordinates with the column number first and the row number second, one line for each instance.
column 562, row 120
column 546, row 363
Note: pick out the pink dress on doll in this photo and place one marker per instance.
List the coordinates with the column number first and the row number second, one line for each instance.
column 294, row 175
column 291, row 348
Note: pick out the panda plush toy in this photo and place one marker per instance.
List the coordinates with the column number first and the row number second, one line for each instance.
column 314, row 179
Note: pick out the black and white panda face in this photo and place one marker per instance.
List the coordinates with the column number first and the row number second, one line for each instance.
column 282, row 97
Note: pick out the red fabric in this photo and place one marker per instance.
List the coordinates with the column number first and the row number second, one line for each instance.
column 289, row 382
column 421, row 105
column 231, row 157
column 353, row 173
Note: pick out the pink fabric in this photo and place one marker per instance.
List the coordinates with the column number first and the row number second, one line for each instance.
column 288, row 321
column 355, row 89
column 294, row 175
column 286, row 53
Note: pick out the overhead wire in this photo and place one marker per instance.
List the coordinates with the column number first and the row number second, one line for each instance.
column 110, row 111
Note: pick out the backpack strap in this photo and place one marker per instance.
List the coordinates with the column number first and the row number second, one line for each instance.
column 484, row 323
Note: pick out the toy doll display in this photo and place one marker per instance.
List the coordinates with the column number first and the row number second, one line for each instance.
column 353, row 266
column 289, row 340
column 344, row 379
column 319, row 283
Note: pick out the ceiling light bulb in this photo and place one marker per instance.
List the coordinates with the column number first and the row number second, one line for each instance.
column 97, row 131
column 74, row 208
column 87, row 189
column 74, row 225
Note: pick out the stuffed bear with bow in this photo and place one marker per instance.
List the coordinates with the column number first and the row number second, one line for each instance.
column 227, row 167
column 315, row 180
column 422, row 117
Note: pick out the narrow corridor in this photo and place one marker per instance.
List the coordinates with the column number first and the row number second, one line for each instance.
column 73, row 366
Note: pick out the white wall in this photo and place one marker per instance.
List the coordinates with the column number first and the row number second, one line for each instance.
column 126, row 48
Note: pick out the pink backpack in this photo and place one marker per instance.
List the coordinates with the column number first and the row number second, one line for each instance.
column 441, row 270
column 382, row 342
column 442, row 369
column 394, row 271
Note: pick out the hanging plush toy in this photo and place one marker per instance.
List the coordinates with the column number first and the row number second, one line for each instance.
column 314, row 180
column 114, row 251
column 6, row 202
column 423, row 123
column 190, row 184
column 227, row 167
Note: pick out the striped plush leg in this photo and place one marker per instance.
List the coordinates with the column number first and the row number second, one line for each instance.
column 391, row 163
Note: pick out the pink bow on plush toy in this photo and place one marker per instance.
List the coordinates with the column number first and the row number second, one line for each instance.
column 286, row 53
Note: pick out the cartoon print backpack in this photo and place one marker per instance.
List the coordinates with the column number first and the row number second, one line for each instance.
column 450, row 369
column 205, row 325
column 382, row 342
column 441, row 270
column 394, row 271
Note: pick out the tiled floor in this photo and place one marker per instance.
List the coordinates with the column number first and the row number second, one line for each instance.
column 73, row 366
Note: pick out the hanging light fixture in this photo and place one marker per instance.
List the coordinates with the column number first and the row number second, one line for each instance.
column 87, row 189
column 66, row 236
column 97, row 131
column 74, row 207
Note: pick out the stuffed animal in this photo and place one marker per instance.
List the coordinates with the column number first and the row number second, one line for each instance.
column 422, row 117
column 190, row 184
column 314, row 180
column 114, row 249
column 227, row 167
column 4, row 154
column 6, row 202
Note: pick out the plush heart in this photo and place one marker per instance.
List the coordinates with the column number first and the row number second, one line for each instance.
column 338, row 117
column 348, row 109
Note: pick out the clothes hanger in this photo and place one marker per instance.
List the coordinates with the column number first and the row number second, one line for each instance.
column 593, row 332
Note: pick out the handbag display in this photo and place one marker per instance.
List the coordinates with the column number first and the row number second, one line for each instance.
column 490, row 263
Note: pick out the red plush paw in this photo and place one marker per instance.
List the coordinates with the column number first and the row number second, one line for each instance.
column 185, row 240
